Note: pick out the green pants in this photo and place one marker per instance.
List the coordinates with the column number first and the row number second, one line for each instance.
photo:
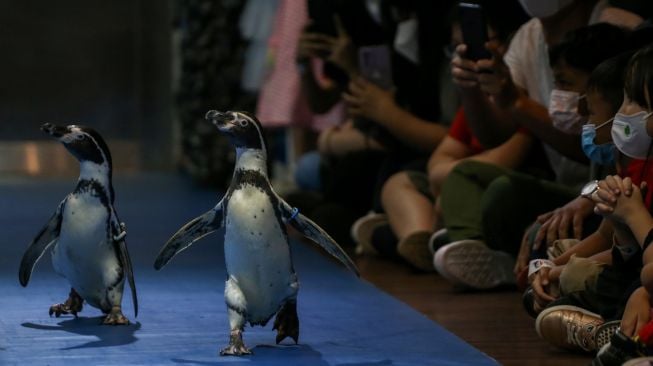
column 486, row 202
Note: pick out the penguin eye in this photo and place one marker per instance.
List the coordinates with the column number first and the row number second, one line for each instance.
column 79, row 137
column 243, row 122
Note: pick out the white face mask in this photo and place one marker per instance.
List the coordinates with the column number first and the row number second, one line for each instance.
column 543, row 8
column 405, row 42
column 629, row 134
column 563, row 110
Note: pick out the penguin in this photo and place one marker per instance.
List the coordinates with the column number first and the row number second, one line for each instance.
column 261, row 280
column 85, row 234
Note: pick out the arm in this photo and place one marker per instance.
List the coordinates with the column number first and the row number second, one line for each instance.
column 597, row 242
column 450, row 153
column 367, row 100
column 490, row 124
column 495, row 79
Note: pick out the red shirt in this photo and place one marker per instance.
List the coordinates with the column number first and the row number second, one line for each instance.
column 634, row 170
column 460, row 131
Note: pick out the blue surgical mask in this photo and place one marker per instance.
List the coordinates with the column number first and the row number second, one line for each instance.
column 601, row 154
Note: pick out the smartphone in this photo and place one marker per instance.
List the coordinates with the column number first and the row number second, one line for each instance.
column 375, row 65
column 474, row 29
column 321, row 13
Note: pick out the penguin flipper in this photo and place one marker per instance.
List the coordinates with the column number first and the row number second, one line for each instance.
column 43, row 240
column 314, row 232
column 128, row 269
column 194, row 230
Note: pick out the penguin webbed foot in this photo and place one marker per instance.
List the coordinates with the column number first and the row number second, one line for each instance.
column 287, row 323
column 72, row 305
column 115, row 317
column 236, row 345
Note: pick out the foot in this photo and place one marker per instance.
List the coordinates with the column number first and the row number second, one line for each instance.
column 287, row 323
column 362, row 230
column 569, row 327
column 72, row 305
column 471, row 264
column 115, row 317
column 414, row 249
column 236, row 346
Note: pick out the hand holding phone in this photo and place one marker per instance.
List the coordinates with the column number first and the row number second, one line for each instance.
column 474, row 29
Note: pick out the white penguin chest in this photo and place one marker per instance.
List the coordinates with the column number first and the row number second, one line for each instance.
column 83, row 239
column 256, row 247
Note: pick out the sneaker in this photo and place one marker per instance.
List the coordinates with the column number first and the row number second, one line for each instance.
column 569, row 327
column 605, row 332
column 620, row 349
column 362, row 229
column 414, row 249
column 472, row 264
column 439, row 239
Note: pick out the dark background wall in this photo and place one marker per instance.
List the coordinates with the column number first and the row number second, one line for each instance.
column 101, row 63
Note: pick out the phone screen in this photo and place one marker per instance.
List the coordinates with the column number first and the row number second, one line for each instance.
column 375, row 65
column 474, row 29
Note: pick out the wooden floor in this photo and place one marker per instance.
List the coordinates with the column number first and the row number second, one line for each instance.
column 493, row 322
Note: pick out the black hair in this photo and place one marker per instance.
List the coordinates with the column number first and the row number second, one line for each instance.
column 608, row 79
column 639, row 76
column 584, row 48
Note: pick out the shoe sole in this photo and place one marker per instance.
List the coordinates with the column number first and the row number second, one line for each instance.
column 546, row 312
column 472, row 264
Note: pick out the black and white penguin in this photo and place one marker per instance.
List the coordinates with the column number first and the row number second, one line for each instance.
column 261, row 279
column 86, row 236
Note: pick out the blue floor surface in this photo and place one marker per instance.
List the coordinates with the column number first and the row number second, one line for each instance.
column 344, row 321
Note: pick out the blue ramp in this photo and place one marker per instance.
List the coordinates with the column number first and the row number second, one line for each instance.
column 344, row 321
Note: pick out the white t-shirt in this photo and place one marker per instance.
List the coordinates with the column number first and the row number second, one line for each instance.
column 528, row 60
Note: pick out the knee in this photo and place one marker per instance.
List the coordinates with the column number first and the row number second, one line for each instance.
column 392, row 186
column 499, row 194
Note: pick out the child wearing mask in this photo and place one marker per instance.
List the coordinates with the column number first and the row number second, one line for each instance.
column 570, row 321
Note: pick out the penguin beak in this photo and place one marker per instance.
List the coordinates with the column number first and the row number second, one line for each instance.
column 54, row 130
column 220, row 119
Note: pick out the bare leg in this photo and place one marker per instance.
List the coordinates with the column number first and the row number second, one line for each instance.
column 286, row 322
column 408, row 210
column 72, row 305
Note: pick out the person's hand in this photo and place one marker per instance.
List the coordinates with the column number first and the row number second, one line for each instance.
column 312, row 45
column 338, row 50
column 367, row 100
column 558, row 223
column 494, row 76
column 637, row 312
column 343, row 52
column 544, row 284
column 463, row 71
column 618, row 198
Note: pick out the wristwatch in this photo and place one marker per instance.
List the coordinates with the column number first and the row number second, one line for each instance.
column 589, row 188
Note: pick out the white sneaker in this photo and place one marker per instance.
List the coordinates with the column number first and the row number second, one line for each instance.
column 472, row 264
column 362, row 230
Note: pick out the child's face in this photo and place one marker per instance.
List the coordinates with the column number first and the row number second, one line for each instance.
column 571, row 79
column 629, row 107
column 599, row 111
